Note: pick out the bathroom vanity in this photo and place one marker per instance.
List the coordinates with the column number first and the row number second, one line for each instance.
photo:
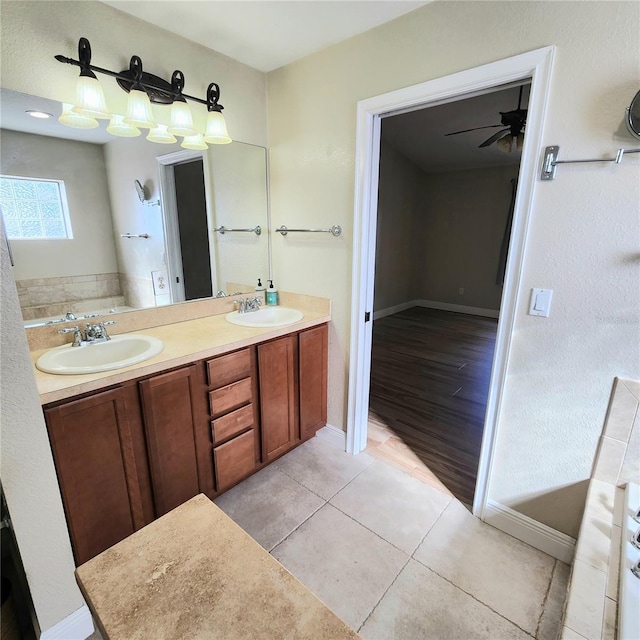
column 218, row 404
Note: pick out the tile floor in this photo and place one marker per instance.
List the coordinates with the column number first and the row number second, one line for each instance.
column 395, row 556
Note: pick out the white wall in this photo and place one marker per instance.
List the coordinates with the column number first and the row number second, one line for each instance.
column 584, row 229
column 81, row 167
column 31, row 33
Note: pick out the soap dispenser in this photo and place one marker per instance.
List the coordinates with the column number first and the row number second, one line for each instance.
column 260, row 286
column 272, row 295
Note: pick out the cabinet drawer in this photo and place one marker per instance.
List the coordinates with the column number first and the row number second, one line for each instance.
column 235, row 459
column 224, row 370
column 232, row 424
column 231, row 397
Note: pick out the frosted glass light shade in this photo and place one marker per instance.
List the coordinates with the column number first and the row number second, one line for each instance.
column 161, row 135
column 194, row 142
column 519, row 141
column 216, row 129
column 117, row 127
column 90, row 99
column 181, row 121
column 139, row 112
column 72, row 119
column 505, row 143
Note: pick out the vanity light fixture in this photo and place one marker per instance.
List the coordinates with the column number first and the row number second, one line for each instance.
column 144, row 89
column 118, row 127
column 160, row 135
column 194, row 142
column 71, row 118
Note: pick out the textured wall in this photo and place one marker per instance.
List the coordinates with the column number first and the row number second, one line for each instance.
column 583, row 237
column 28, row 476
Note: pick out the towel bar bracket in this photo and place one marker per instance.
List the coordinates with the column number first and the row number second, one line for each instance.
column 550, row 161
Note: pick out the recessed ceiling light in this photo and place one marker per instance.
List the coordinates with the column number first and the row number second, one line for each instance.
column 39, row 114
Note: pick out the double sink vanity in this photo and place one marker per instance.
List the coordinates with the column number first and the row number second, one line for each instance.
column 224, row 397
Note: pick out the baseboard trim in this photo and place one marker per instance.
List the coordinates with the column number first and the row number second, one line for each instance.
column 333, row 435
column 77, row 626
column 389, row 311
column 538, row 535
column 458, row 308
column 432, row 304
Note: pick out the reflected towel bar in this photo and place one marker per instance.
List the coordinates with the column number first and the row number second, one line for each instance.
column 335, row 231
column 222, row 229
column 550, row 161
column 135, row 235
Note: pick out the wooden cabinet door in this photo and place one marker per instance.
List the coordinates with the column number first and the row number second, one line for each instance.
column 278, row 372
column 177, row 425
column 313, row 380
column 95, row 458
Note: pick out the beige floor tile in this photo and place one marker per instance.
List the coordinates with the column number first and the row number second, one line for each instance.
column 421, row 605
column 321, row 467
column 585, row 605
column 269, row 506
column 391, row 503
column 551, row 619
column 345, row 565
column 507, row 575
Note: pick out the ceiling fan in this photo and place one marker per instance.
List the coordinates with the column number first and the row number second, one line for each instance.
column 514, row 123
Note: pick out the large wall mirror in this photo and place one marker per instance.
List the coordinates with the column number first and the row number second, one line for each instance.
column 140, row 222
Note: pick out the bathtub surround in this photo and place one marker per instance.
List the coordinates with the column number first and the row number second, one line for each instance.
column 53, row 297
column 592, row 598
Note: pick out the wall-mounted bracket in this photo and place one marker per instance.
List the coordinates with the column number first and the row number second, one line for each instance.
column 551, row 161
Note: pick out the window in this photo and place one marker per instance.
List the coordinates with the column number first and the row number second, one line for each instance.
column 34, row 209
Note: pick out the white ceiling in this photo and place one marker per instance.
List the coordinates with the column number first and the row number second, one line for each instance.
column 267, row 34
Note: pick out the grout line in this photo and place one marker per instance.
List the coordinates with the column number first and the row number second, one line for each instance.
column 546, row 597
column 403, row 566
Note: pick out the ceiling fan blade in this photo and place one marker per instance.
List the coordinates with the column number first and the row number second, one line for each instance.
column 493, row 138
column 489, row 126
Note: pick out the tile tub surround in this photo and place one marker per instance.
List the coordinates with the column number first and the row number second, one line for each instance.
column 384, row 565
column 185, row 340
column 44, row 297
column 591, row 608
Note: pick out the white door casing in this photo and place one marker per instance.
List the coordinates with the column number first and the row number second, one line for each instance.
column 169, row 208
column 536, row 65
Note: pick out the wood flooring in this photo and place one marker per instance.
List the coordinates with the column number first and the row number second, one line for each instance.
column 430, row 373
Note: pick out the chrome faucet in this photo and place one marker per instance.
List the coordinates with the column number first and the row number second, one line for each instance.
column 93, row 333
column 246, row 305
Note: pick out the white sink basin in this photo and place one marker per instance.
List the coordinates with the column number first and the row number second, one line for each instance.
column 117, row 353
column 266, row 317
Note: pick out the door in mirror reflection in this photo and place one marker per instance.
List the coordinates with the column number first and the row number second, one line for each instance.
column 195, row 256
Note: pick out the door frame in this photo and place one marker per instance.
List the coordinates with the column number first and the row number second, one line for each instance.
column 534, row 65
column 169, row 208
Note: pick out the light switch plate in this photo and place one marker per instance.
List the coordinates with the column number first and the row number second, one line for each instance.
column 540, row 303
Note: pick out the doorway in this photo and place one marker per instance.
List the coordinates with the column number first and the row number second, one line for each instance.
column 446, row 190
column 189, row 249
column 536, row 65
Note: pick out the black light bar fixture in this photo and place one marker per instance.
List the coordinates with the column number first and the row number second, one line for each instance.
column 144, row 89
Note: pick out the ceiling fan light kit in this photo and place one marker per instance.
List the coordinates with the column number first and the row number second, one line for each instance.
column 511, row 137
column 144, row 89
